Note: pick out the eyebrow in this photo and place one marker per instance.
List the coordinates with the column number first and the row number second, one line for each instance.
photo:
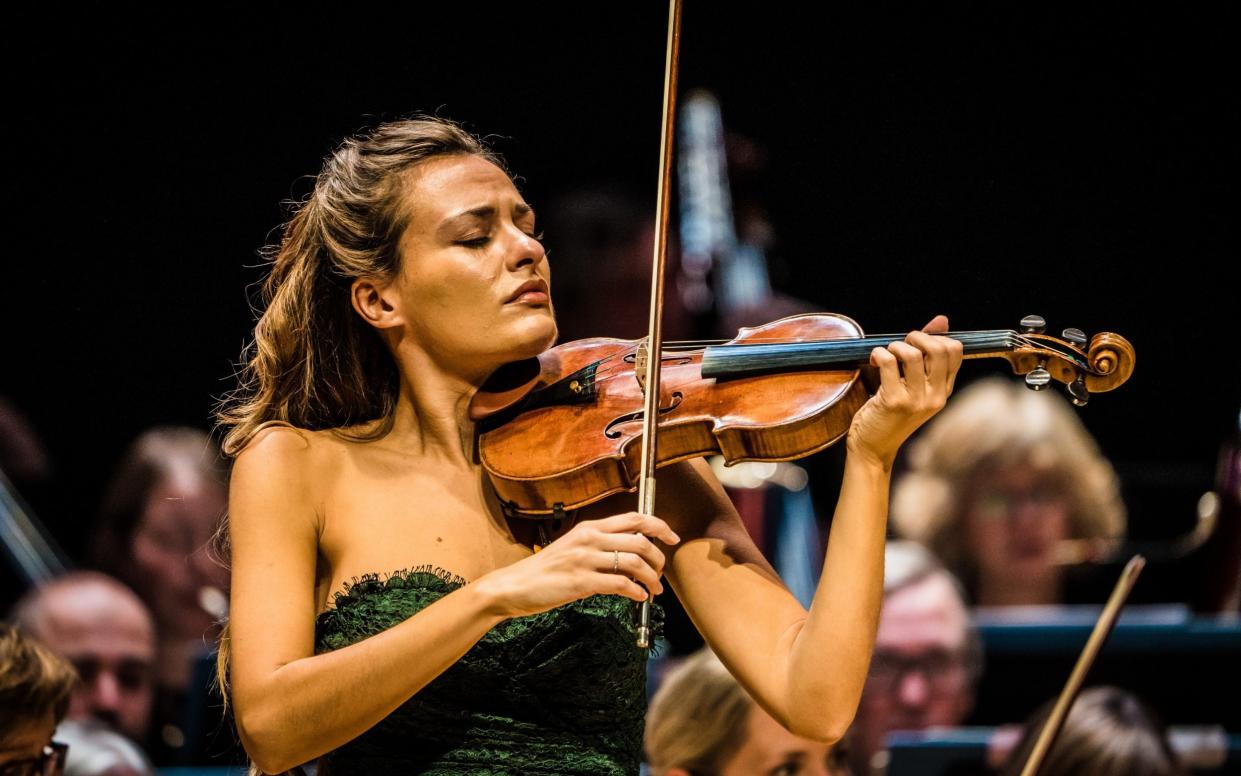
column 484, row 213
column 793, row 754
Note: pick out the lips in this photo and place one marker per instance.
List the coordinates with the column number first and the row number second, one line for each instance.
column 532, row 286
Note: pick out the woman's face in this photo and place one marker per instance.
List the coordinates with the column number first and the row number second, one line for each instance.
column 171, row 552
column 473, row 291
column 1015, row 517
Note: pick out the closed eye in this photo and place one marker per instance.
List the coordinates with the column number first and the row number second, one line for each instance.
column 480, row 242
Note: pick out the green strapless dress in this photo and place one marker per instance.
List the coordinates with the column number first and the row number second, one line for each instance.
column 559, row 692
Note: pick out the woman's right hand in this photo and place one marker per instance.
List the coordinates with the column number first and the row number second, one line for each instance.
column 580, row 563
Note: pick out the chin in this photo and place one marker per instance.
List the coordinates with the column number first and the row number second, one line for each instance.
column 542, row 336
column 529, row 341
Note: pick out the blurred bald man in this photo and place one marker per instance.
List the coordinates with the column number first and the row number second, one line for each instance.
column 105, row 630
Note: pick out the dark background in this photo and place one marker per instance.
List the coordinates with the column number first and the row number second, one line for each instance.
column 980, row 162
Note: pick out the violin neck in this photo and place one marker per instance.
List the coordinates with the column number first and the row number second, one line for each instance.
column 739, row 360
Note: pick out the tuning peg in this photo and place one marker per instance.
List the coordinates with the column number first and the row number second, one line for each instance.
column 1076, row 336
column 1038, row 378
column 1077, row 392
column 1033, row 324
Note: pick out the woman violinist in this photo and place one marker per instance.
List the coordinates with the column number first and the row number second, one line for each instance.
column 386, row 616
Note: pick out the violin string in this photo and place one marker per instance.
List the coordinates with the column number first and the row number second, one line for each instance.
column 777, row 340
column 684, row 345
column 601, row 372
column 1008, row 337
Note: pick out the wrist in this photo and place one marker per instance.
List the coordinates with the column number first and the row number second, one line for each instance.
column 489, row 598
column 859, row 456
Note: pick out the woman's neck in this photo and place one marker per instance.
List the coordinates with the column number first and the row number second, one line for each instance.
column 431, row 418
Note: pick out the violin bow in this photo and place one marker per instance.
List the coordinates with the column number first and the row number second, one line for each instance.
column 1107, row 620
column 654, row 342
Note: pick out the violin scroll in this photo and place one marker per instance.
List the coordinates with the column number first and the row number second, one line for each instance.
column 1104, row 365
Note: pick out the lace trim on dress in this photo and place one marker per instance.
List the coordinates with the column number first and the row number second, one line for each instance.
column 429, row 578
column 372, row 582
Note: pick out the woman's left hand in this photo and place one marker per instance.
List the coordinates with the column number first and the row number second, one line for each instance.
column 902, row 404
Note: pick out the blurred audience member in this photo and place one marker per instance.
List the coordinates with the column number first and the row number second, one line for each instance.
column 1000, row 484
column 105, row 630
column 927, row 656
column 34, row 696
column 95, row 750
column 701, row 721
column 1108, row 731
column 158, row 518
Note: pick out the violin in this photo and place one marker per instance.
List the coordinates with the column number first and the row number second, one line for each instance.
column 557, row 432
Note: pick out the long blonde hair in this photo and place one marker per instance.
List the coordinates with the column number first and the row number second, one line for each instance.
column 313, row 362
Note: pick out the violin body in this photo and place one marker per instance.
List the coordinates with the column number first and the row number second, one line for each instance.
column 574, row 454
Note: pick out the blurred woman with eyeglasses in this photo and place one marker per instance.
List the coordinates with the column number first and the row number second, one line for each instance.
column 1008, row 488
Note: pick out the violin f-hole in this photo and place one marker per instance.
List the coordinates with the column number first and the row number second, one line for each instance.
column 610, row 431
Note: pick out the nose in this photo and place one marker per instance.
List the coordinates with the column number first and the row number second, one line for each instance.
column 105, row 694
column 526, row 251
column 1026, row 519
column 914, row 690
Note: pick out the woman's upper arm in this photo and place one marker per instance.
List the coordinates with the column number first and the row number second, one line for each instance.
column 273, row 530
column 732, row 594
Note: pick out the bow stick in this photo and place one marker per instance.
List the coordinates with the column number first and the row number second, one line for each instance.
column 1107, row 620
column 654, row 340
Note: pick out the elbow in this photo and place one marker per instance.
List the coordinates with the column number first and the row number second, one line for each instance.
column 260, row 736
column 816, row 721
column 821, row 711
column 823, row 731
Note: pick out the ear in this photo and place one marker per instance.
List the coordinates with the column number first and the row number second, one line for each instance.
column 376, row 302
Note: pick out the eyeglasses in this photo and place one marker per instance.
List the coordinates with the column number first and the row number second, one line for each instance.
column 943, row 670
column 997, row 503
column 50, row 763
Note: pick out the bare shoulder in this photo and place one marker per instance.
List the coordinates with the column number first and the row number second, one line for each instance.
column 286, row 464
column 288, row 452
